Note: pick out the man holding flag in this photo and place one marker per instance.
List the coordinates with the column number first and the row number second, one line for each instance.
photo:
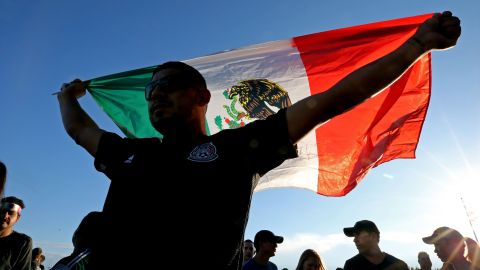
column 191, row 166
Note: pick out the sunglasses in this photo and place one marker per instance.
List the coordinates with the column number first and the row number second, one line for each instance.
column 10, row 208
column 168, row 85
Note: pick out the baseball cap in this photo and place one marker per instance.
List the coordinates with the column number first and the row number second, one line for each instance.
column 265, row 235
column 442, row 233
column 362, row 225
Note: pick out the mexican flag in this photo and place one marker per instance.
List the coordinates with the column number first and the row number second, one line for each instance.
column 253, row 82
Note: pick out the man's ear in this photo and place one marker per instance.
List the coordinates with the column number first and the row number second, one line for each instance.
column 204, row 96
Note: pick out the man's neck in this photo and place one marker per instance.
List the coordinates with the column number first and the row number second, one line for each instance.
column 261, row 259
column 6, row 232
column 374, row 256
column 176, row 138
column 179, row 133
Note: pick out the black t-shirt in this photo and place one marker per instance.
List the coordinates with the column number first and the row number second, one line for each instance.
column 359, row 262
column 15, row 252
column 193, row 200
column 253, row 265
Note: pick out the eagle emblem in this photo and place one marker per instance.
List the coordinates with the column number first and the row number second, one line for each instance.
column 259, row 96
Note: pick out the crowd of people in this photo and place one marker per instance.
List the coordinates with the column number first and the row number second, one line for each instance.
column 454, row 250
column 143, row 170
column 449, row 245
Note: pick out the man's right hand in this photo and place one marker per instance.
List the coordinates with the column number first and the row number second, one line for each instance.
column 78, row 124
column 75, row 88
column 441, row 31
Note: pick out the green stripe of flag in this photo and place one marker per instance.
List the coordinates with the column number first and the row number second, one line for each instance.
column 122, row 97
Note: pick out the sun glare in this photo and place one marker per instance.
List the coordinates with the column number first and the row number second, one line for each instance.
column 459, row 195
column 457, row 202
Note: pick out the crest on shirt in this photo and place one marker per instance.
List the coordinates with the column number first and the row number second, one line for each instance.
column 203, row 153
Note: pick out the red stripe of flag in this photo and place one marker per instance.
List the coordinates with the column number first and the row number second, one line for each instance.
column 384, row 127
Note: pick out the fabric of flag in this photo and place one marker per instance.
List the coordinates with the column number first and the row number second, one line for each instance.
column 253, row 82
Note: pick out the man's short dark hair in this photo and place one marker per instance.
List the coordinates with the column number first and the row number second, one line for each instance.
column 3, row 170
column 36, row 251
column 3, row 177
column 15, row 200
column 191, row 74
column 90, row 228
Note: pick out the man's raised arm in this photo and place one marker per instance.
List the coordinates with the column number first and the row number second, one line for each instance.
column 439, row 32
column 76, row 121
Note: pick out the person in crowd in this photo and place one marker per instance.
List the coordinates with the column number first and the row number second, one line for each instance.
column 15, row 247
column 310, row 260
column 3, row 178
column 42, row 260
column 366, row 237
column 265, row 243
column 473, row 254
column 84, row 243
column 36, row 258
column 450, row 247
column 248, row 250
column 424, row 261
column 193, row 163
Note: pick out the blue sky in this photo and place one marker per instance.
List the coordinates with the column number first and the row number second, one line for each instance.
column 46, row 43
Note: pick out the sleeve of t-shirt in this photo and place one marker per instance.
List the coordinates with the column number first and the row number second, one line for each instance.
column 398, row 265
column 25, row 256
column 267, row 142
column 395, row 263
column 347, row 266
column 112, row 151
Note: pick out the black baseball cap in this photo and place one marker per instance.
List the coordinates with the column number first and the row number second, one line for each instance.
column 265, row 235
column 362, row 225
